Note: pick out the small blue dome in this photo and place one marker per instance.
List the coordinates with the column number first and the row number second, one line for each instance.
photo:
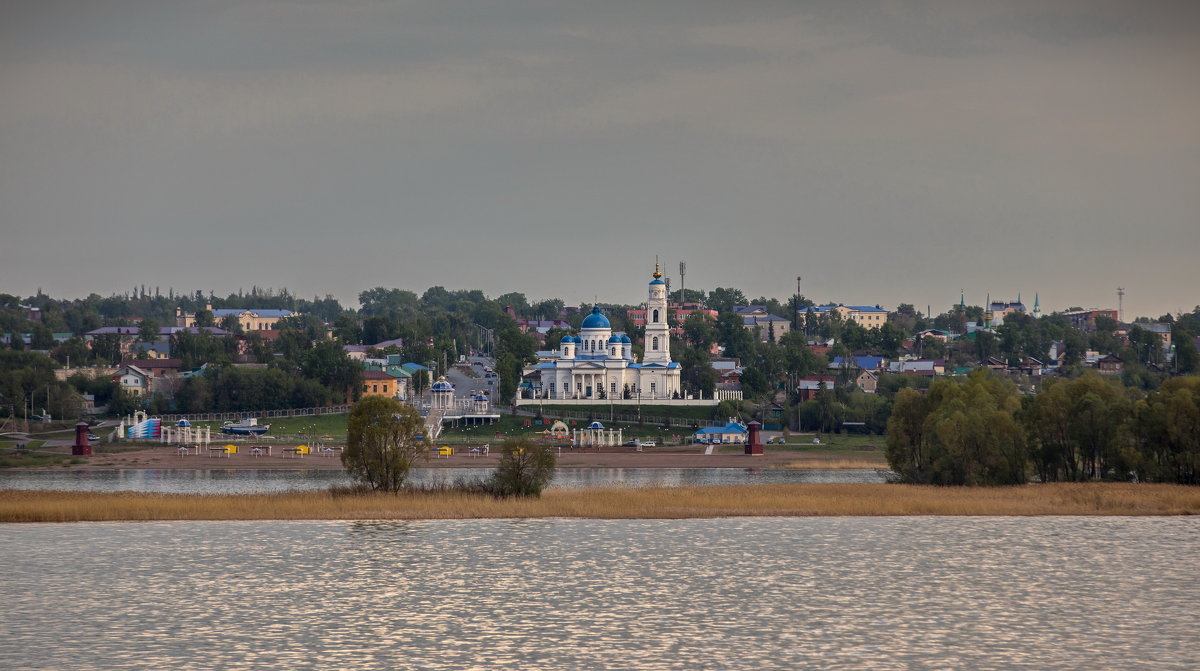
column 442, row 385
column 657, row 282
column 615, row 339
column 184, row 422
column 481, row 397
column 625, row 340
column 578, row 340
column 596, row 320
column 595, row 425
column 567, row 340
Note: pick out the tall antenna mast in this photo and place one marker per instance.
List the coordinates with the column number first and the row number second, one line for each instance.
column 682, row 272
column 1120, row 304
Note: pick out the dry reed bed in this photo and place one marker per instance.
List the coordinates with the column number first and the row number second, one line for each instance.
column 613, row 503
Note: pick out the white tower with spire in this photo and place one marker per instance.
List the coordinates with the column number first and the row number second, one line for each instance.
column 658, row 333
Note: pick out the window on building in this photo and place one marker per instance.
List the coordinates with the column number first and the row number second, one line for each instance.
column 655, row 347
column 552, row 389
column 652, row 387
column 613, row 389
column 578, row 387
column 656, row 316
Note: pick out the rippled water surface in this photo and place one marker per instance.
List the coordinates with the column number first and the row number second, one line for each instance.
column 762, row 593
column 240, row 481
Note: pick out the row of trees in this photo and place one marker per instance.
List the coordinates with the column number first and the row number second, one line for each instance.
column 981, row 431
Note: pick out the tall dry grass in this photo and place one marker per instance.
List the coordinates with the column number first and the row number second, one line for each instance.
column 614, row 503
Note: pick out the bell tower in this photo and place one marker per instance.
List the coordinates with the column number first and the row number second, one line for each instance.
column 658, row 336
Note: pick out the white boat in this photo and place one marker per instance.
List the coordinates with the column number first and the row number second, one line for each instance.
column 246, row 427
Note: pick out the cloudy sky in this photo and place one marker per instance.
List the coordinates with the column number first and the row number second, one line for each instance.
column 886, row 152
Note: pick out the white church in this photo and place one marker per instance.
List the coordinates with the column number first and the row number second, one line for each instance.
column 598, row 364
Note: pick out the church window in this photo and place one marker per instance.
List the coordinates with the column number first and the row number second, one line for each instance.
column 655, row 347
column 652, row 386
column 552, row 389
column 613, row 386
column 656, row 316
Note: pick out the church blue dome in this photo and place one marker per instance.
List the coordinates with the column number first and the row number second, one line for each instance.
column 442, row 385
column 567, row 340
column 616, row 339
column 596, row 320
column 653, row 282
column 625, row 340
column 578, row 340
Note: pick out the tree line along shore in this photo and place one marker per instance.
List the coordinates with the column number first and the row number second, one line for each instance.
column 787, row 500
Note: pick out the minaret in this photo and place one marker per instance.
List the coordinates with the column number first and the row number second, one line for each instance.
column 1037, row 308
column 658, row 343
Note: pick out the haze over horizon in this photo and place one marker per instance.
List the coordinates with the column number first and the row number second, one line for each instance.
column 886, row 152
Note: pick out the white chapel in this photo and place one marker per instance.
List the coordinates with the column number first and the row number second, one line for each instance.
column 598, row 364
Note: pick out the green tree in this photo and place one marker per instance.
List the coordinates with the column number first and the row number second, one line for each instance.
column 382, row 443
column 148, row 331
column 723, row 299
column 524, row 470
column 1167, row 427
column 1187, row 359
column 961, row 433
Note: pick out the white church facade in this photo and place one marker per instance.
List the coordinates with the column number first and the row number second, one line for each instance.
column 598, row 365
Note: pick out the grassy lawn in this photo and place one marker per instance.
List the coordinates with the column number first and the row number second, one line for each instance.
column 32, row 456
column 320, row 425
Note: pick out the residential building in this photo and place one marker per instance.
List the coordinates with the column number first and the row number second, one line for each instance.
column 133, row 380
column 1110, row 365
column 250, row 319
column 1085, row 320
column 379, row 383
column 808, row 388
column 998, row 310
column 864, row 315
column 766, row 327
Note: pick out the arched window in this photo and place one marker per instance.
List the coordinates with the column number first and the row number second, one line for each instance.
column 656, row 316
column 655, row 347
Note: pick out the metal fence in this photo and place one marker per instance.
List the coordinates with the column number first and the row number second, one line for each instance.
column 627, row 415
column 261, row 414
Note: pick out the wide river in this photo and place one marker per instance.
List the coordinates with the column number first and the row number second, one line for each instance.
column 738, row 593
column 243, row 481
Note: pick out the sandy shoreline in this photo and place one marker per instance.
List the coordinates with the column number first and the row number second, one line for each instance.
column 166, row 457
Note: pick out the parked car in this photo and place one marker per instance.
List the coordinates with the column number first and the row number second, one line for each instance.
column 92, row 436
column 647, row 443
column 630, row 443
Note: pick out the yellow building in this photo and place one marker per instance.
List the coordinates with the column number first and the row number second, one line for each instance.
column 249, row 319
column 865, row 315
column 379, row 383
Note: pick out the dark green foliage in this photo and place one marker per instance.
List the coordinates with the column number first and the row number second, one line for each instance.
column 960, row 433
column 525, row 469
column 382, row 443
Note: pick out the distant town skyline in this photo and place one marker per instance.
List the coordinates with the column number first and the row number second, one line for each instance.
column 886, row 152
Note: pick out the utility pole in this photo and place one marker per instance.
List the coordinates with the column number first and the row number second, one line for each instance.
column 682, row 272
column 796, row 307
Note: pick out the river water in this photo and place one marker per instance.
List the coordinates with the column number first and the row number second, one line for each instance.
column 241, row 481
column 741, row 593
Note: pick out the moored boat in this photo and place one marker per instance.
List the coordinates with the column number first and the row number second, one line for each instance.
column 247, row 427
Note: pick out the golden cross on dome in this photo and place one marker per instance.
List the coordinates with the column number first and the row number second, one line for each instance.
column 657, row 275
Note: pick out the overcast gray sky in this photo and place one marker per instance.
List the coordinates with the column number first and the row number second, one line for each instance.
column 886, row 152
